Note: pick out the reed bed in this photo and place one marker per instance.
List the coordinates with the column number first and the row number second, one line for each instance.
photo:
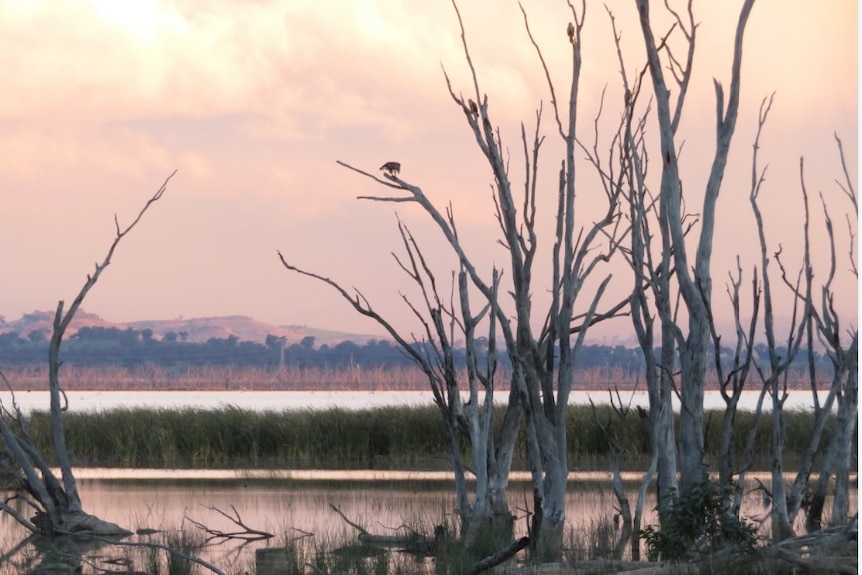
column 387, row 437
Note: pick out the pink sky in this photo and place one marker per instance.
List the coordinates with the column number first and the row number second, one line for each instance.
column 253, row 102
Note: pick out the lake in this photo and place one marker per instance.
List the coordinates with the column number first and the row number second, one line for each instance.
column 300, row 510
column 291, row 504
column 293, row 400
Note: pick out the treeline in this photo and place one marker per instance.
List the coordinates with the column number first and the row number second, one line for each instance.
column 110, row 346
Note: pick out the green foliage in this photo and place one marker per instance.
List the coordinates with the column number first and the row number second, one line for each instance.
column 387, row 437
column 699, row 523
column 230, row 437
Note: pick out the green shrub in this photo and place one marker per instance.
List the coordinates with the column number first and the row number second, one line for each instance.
column 699, row 524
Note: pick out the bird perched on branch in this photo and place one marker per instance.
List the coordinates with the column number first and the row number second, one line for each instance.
column 571, row 32
column 474, row 109
column 391, row 168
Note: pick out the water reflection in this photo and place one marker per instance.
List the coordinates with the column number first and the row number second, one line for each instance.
column 291, row 510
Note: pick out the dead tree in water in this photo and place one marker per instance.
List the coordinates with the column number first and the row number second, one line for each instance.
column 842, row 349
column 56, row 502
column 442, row 322
column 542, row 345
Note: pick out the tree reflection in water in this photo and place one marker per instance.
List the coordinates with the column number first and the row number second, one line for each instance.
column 295, row 511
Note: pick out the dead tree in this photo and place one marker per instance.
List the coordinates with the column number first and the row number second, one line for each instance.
column 774, row 375
column 544, row 380
column 651, row 298
column 842, row 346
column 694, row 282
column 842, row 349
column 814, row 321
column 732, row 381
column 542, row 359
column 245, row 534
column 55, row 501
column 617, row 438
column 442, row 321
column 663, row 274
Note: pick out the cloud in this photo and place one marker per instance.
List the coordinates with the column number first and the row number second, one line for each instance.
column 254, row 100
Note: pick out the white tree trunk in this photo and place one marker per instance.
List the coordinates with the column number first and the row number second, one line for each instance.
column 695, row 291
column 845, row 430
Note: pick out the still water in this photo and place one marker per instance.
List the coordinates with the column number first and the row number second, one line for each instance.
column 292, row 509
column 291, row 400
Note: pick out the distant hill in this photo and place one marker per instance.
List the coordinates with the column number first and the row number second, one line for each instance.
column 199, row 329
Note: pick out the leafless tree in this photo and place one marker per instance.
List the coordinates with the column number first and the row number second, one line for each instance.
column 664, row 277
column 443, row 321
column 841, row 345
column 843, row 349
column 614, row 430
column 774, row 375
column 651, row 273
column 732, row 380
column 55, row 501
column 542, row 360
column 545, row 381
column 810, row 321
column 694, row 282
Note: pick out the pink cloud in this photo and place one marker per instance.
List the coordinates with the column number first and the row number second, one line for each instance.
column 254, row 101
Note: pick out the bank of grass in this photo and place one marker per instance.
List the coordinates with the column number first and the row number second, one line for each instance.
column 385, row 437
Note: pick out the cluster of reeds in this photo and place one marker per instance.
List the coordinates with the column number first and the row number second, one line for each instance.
column 388, row 437
column 234, row 438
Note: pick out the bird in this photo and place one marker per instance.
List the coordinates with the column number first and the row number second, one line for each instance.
column 473, row 107
column 391, row 168
column 571, row 32
column 628, row 97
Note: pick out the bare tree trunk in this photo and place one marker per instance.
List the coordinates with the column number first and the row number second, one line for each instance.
column 639, row 507
column 845, row 430
column 782, row 526
column 434, row 354
column 837, row 460
column 732, row 386
column 696, row 291
column 629, row 525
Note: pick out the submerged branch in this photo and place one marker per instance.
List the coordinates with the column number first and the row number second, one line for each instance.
column 247, row 534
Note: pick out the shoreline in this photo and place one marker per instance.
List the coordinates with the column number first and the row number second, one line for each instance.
column 345, row 475
column 319, row 400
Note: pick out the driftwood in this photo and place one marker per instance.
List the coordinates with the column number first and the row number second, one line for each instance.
column 411, row 542
column 152, row 545
column 500, row 556
column 430, row 547
column 832, row 550
column 247, row 535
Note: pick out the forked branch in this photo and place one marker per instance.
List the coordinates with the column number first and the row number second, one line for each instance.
column 248, row 534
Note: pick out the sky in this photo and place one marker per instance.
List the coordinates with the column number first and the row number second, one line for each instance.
column 252, row 102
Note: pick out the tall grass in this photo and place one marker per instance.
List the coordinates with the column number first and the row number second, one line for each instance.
column 387, row 437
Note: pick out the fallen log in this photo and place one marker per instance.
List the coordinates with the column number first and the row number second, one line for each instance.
column 500, row 556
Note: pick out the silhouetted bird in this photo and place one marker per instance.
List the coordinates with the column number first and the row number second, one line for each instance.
column 391, row 168
column 571, row 32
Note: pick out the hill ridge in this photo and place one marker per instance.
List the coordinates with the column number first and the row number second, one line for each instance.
column 198, row 329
